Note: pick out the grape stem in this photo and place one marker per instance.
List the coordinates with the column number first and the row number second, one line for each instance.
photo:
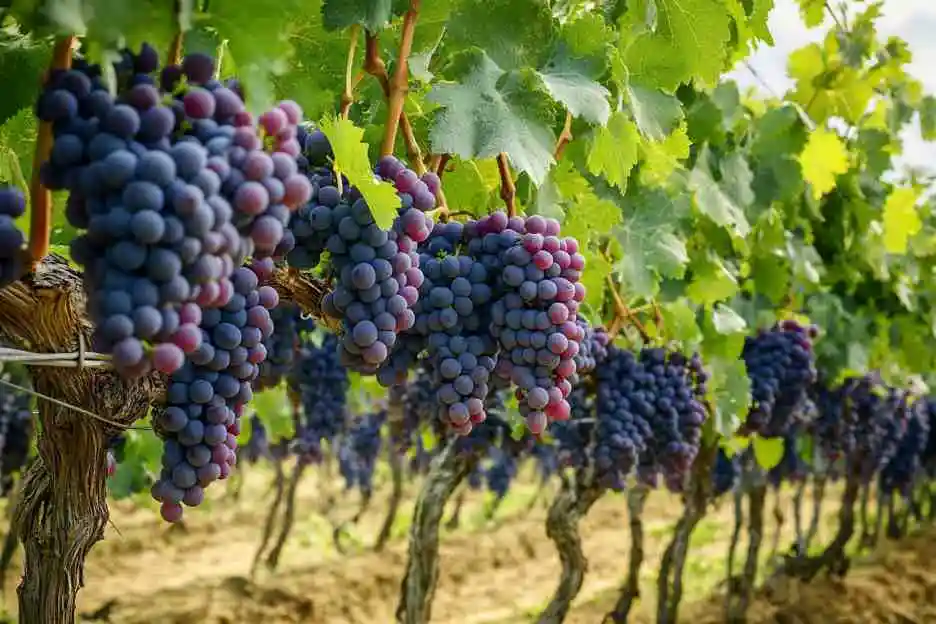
column 175, row 48
column 399, row 83
column 40, row 199
column 508, row 191
column 564, row 137
column 375, row 66
column 622, row 311
column 438, row 162
column 347, row 97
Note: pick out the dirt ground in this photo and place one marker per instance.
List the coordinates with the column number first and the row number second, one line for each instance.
column 492, row 572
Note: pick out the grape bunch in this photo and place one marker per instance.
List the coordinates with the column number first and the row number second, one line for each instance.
column 358, row 452
column 16, row 431
column 726, row 472
column 206, row 397
column 833, row 427
column 650, row 414
column 258, row 446
column 573, row 437
column 283, row 344
column 878, row 416
column 501, row 472
column 12, row 206
column 781, row 365
column 378, row 271
column 901, row 470
column 322, row 383
column 154, row 237
column 792, row 466
column 534, row 319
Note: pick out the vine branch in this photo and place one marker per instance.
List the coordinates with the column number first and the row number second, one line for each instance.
column 624, row 312
column 375, row 66
column 508, row 191
column 175, row 48
column 347, row 97
column 564, row 137
column 399, row 83
column 40, row 198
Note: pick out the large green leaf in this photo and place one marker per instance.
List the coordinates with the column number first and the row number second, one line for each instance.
column 488, row 111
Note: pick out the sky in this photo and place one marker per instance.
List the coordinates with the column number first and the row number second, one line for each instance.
column 912, row 20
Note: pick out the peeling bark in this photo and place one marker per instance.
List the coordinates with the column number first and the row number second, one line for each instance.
column 63, row 510
column 422, row 568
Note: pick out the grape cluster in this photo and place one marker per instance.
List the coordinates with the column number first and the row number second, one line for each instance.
column 322, row 384
column 378, row 271
column 206, row 396
column 16, row 431
column 878, row 417
column 832, row 429
column 592, row 350
column 534, row 319
column 781, row 365
column 792, row 466
column 501, row 472
column 258, row 446
column 573, row 437
column 648, row 409
column 726, row 472
column 12, row 206
column 153, row 238
column 358, row 452
column 283, row 344
column 901, row 470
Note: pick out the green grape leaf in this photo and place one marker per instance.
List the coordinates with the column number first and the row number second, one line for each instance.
column 582, row 96
column 689, row 41
column 274, row 409
column 352, row 160
column 258, row 39
column 928, row 118
column 651, row 243
column 711, row 282
column 579, row 58
column 812, row 12
column 736, row 182
column 489, row 111
column 514, row 34
column 656, row 113
column 768, row 452
column 727, row 321
column 142, row 453
column 901, row 220
column 22, row 59
column 593, row 278
column 713, row 201
column 314, row 77
column 662, row 158
column 613, row 150
column 680, row 322
column 729, row 392
column 471, row 186
column 823, row 158
column 779, row 131
column 374, row 15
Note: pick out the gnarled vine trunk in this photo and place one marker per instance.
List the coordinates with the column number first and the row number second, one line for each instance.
column 571, row 504
column 63, row 509
column 422, row 568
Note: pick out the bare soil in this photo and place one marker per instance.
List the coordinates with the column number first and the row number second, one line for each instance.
column 492, row 572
